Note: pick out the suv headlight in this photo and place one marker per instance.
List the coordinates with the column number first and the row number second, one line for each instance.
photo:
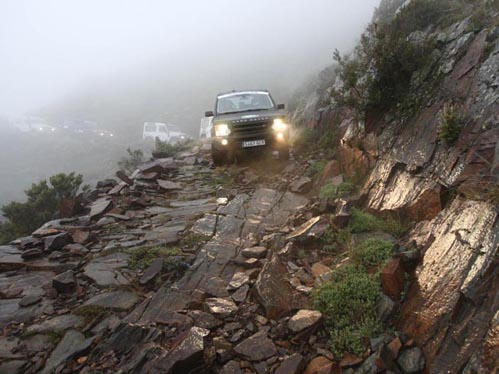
column 279, row 125
column 222, row 129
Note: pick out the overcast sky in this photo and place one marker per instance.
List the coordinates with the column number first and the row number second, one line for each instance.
column 49, row 48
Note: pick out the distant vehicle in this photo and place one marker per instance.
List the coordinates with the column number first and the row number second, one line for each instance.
column 42, row 127
column 206, row 125
column 31, row 124
column 176, row 134
column 80, row 126
column 104, row 133
column 247, row 120
column 153, row 130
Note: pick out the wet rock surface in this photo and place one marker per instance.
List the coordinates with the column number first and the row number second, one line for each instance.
column 110, row 305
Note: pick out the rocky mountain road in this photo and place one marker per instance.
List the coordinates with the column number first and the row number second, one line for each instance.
column 178, row 268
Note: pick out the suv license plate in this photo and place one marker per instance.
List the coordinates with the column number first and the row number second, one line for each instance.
column 253, row 143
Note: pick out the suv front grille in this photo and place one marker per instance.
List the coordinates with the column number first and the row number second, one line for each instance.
column 251, row 131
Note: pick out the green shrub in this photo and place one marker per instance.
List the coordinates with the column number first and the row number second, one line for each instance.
column 41, row 205
column 330, row 191
column 450, row 124
column 169, row 150
column 348, row 303
column 371, row 252
column 329, row 139
column 142, row 258
column 132, row 162
column 364, row 222
column 378, row 75
column 396, row 225
column 305, row 139
column 316, row 168
column 173, row 261
column 485, row 14
column 336, row 240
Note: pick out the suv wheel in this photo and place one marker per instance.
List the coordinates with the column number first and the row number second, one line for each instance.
column 219, row 158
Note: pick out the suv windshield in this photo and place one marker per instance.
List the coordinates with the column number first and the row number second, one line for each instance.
column 242, row 102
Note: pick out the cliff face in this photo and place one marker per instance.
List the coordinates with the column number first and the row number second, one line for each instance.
column 450, row 189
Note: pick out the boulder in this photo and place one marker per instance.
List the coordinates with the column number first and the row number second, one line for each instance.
column 29, row 300
column 106, row 183
column 411, row 360
column 57, row 324
column 105, row 271
column 57, row 242
column 152, row 271
column 349, row 360
column 304, row 319
column 168, row 185
column 231, row 367
column 254, row 252
column 100, row 206
column 32, row 253
column 240, row 295
column 257, row 347
column 384, row 307
column 302, row 185
column 206, row 225
column 204, row 320
column 159, row 166
column 392, row 279
column 42, row 232
column 117, row 189
column 120, row 174
column 220, row 307
column 238, row 280
column 320, row 365
column 273, row 290
column 72, row 344
column 331, row 170
column 116, row 300
column 80, row 236
column 319, row 269
column 216, row 287
column 293, row 364
column 186, row 357
column 64, row 282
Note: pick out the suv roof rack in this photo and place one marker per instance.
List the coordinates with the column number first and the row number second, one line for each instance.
column 235, row 91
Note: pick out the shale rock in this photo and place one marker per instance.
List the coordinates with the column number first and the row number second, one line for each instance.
column 257, row 347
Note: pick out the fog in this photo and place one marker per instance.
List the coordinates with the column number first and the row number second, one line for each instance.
column 122, row 62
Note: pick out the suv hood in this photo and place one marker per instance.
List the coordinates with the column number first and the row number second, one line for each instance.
column 249, row 116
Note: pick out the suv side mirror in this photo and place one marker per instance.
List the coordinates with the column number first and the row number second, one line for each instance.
column 280, row 106
column 209, row 114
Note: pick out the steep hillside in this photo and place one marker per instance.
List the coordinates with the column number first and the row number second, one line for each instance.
column 415, row 107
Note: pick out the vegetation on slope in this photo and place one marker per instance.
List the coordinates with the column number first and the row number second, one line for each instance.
column 41, row 206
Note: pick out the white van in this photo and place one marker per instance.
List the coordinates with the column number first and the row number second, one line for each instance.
column 205, row 130
column 153, row 130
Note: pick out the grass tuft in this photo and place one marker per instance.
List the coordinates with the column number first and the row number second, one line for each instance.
column 142, row 258
column 331, row 192
column 371, row 252
column 348, row 303
column 366, row 222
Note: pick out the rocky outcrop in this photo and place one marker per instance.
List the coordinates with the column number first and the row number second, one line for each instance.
column 452, row 303
column 416, row 169
column 451, row 308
